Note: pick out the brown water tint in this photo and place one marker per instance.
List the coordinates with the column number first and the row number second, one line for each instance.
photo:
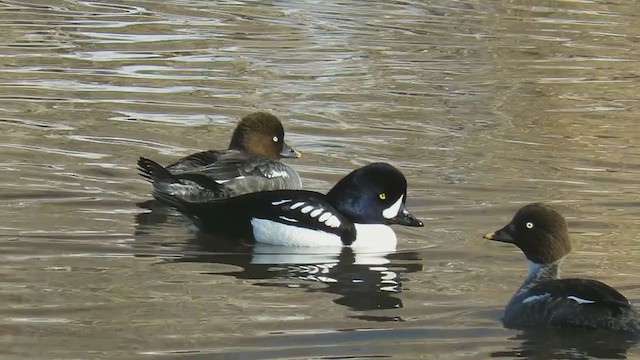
column 484, row 105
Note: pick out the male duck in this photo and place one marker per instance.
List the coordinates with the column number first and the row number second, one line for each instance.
column 355, row 212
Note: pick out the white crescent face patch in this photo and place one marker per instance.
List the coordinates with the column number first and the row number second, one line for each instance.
column 392, row 211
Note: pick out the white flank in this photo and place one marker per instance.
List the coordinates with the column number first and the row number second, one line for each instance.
column 280, row 202
column 275, row 233
column 324, row 217
column 534, row 298
column 296, row 205
column 333, row 222
column 306, row 209
column 375, row 237
column 316, row 212
column 579, row 300
column 392, row 211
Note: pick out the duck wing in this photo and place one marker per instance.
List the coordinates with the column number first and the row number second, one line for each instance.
column 281, row 217
column 219, row 174
column 235, row 165
column 195, row 160
column 582, row 303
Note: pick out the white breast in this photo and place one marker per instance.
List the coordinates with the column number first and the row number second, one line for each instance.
column 275, row 233
column 374, row 237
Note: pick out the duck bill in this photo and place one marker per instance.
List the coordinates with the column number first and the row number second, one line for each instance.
column 502, row 235
column 288, row 152
column 406, row 218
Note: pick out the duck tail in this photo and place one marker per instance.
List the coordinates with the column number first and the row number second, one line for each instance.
column 198, row 212
column 179, row 204
column 155, row 173
column 181, row 182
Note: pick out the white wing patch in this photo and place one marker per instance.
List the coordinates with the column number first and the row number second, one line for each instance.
column 275, row 233
column 288, row 219
column 579, row 300
column 276, row 203
column 333, row 221
column 535, row 298
column 392, row 211
column 316, row 212
column 325, row 217
column 296, row 205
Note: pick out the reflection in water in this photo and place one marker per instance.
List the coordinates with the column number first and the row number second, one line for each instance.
column 364, row 281
column 484, row 104
column 568, row 344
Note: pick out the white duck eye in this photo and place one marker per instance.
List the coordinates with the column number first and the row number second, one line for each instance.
column 275, row 139
column 529, row 225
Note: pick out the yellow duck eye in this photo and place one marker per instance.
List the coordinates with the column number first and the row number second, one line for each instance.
column 382, row 196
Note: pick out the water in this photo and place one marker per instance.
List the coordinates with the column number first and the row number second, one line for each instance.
column 485, row 106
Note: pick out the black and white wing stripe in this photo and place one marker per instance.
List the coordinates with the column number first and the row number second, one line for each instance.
column 307, row 211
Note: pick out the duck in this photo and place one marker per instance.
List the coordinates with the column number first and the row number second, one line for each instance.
column 251, row 163
column 355, row 213
column 546, row 300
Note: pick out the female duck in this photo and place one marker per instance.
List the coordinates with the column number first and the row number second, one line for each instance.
column 251, row 163
column 546, row 300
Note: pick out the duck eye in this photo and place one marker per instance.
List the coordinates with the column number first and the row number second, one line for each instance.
column 382, row 196
column 529, row 225
column 275, row 139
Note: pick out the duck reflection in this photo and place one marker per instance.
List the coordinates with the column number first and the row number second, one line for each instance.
column 568, row 344
column 364, row 281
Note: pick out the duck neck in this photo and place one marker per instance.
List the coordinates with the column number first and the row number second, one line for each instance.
column 540, row 272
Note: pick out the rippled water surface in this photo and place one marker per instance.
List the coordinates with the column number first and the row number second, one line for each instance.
column 484, row 106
